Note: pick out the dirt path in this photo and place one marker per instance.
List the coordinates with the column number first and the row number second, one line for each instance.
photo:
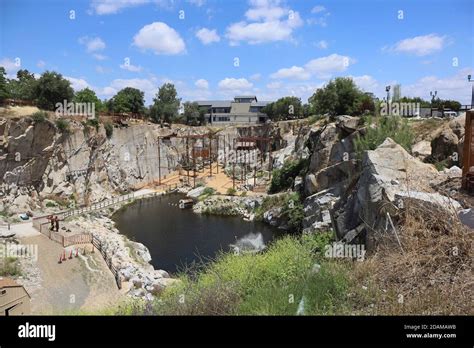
column 70, row 286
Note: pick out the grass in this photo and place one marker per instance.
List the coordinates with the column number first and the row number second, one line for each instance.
column 431, row 275
column 268, row 283
column 380, row 128
column 39, row 116
column 9, row 267
column 62, row 125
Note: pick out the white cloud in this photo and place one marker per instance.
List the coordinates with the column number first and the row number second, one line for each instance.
column 207, row 36
column 107, row 7
column 322, row 68
column 11, row 67
column 268, row 22
column 318, row 9
column 265, row 10
column 201, row 84
column 256, row 77
column 322, row 44
column 233, row 84
column 454, row 87
column 197, row 3
column 274, row 85
column 160, row 38
column 366, row 82
column 77, row 83
column 92, row 44
column 41, row 64
column 100, row 69
column 99, row 56
column 131, row 67
column 293, row 73
column 419, row 45
column 325, row 67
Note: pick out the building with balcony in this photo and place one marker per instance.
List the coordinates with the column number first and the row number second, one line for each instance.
column 243, row 109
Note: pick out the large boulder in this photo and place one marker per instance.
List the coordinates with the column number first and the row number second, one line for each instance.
column 317, row 212
column 444, row 145
column 389, row 173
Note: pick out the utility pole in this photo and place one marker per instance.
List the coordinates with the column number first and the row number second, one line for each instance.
column 433, row 96
column 472, row 93
column 387, row 89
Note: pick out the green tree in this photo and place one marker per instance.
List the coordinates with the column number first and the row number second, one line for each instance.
column 128, row 99
column 339, row 97
column 423, row 103
column 52, row 88
column 3, row 84
column 192, row 113
column 87, row 95
column 23, row 86
column 165, row 104
column 284, row 108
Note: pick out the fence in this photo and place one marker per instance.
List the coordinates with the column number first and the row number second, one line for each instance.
column 100, row 205
column 82, row 238
column 108, row 260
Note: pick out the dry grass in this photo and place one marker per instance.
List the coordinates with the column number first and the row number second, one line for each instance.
column 433, row 275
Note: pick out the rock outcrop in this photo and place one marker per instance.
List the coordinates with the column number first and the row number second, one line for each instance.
column 391, row 178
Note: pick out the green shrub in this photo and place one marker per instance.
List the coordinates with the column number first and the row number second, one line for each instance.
column 93, row 122
column 268, row 283
column 39, row 116
column 231, row 191
column 382, row 128
column 292, row 209
column 109, row 129
column 284, row 177
column 62, row 125
column 9, row 266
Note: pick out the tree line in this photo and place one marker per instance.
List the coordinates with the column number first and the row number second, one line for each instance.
column 340, row 96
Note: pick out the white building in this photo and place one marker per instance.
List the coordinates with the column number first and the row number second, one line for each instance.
column 243, row 109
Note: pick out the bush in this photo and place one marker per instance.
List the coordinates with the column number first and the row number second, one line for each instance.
column 385, row 127
column 39, row 116
column 9, row 266
column 62, row 125
column 283, row 178
column 231, row 191
column 93, row 122
column 269, row 283
column 109, row 129
column 292, row 209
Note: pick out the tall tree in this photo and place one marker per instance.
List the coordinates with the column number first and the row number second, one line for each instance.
column 192, row 113
column 87, row 95
column 128, row 99
column 3, row 84
column 339, row 97
column 52, row 88
column 23, row 86
column 165, row 104
column 284, row 108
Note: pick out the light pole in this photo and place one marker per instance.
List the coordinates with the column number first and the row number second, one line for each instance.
column 472, row 93
column 433, row 96
column 387, row 89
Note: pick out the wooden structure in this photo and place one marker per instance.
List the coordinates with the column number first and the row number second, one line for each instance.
column 14, row 299
column 468, row 153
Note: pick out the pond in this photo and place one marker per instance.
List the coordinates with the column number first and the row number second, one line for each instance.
column 177, row 237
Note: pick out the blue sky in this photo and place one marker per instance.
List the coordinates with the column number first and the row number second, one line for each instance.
column 215, row 49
